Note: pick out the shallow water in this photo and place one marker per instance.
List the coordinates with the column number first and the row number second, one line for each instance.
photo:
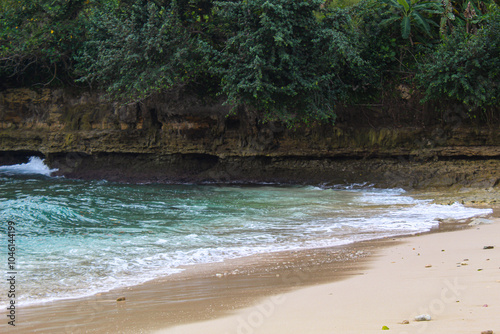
column 76, row 238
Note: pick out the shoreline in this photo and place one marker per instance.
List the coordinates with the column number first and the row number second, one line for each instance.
column 449, row 276
column 210, row 291
column 200, row 292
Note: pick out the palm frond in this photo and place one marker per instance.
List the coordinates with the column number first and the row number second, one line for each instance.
column 390, row 20
column 422, row 22
column 405, row 27
column 405, row 4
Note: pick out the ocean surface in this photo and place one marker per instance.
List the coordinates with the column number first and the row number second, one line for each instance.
column 77, row 238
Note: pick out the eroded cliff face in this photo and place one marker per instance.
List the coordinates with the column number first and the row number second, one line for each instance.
column 174, row 138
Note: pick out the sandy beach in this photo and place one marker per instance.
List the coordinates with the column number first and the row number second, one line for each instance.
column 449, row 276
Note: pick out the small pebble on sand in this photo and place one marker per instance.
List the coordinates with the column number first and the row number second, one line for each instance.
column 423, row 317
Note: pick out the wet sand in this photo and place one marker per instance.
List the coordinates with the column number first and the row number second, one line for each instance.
column 199, row 293
column 449, row 276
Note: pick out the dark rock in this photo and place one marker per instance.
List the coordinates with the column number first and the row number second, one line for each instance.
column 176, row 137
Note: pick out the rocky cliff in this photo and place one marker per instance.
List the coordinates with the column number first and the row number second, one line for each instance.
column 179, row 138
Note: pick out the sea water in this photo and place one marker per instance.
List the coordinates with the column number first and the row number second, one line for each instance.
column 77, row 238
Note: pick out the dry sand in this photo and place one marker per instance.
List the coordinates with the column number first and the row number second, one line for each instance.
column 446, row 275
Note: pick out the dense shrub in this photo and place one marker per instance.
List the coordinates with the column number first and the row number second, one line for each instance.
column 379, row 44
column 289, row 60
column 284, row 61
column 38, row 39
column 136, row 50
column 465, row 68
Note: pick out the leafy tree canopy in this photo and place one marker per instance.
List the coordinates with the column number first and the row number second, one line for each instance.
column 465, row 68
column 283, row 60
column 139, row 50
column 290, row 60
column 38, row 39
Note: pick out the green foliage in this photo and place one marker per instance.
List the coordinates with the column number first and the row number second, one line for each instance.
column 283, row 61
column 465, row 14
column 37, row 40
column 447, row 17
column 332, row 4
column 140, row 49
column 465, row 68
column 413, row 13
column 379, row 44
column 294, row 61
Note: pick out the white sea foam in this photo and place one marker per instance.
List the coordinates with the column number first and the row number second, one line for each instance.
column 97, row 237
column 127, row 272
column 35, row 165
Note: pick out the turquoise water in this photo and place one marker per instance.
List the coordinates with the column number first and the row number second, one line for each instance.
column 76, row 238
